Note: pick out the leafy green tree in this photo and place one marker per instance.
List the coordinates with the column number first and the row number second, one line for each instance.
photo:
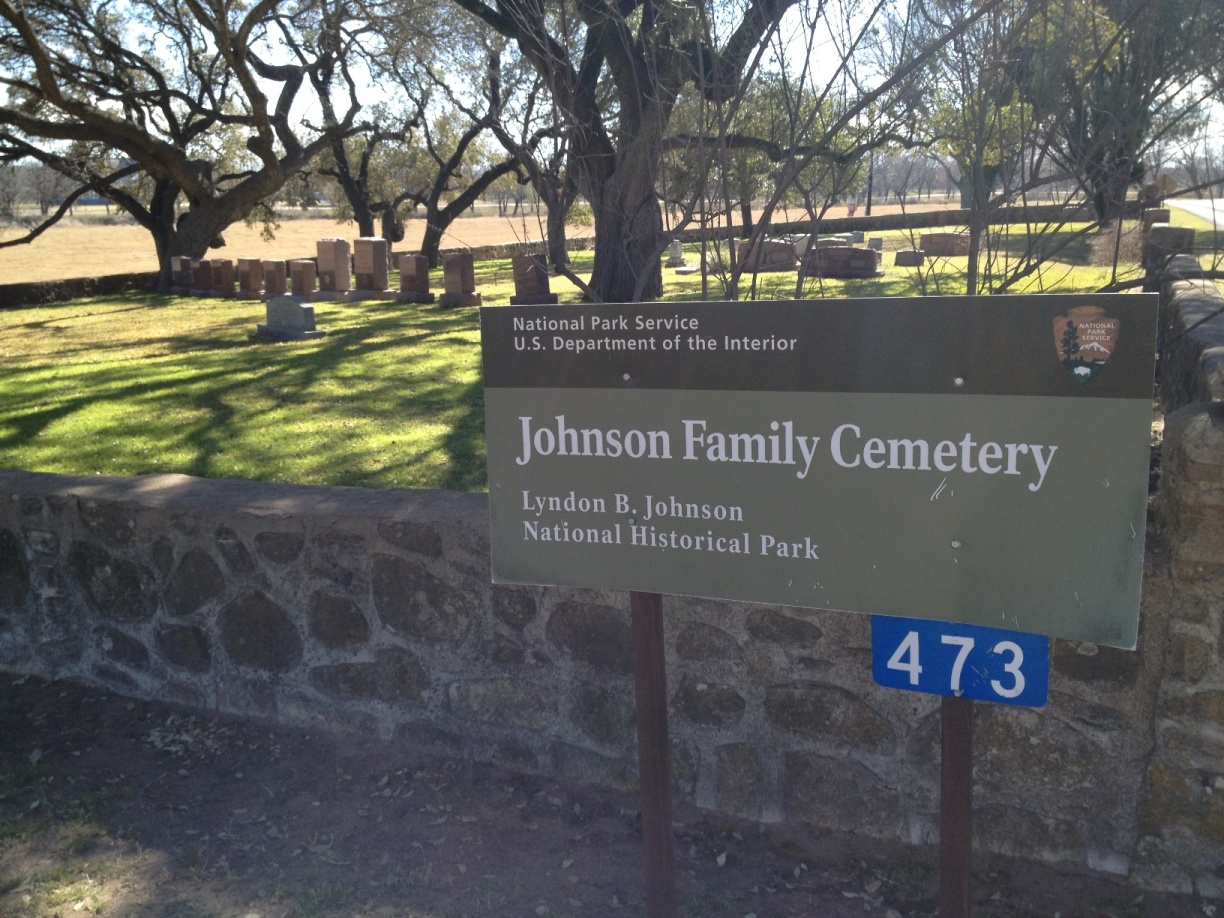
column 197, row 99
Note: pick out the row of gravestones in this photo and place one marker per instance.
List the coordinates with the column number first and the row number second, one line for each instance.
column 828, row 256
column 330, row 276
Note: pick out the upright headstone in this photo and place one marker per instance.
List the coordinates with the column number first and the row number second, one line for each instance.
column 910, row 258
column 335, row 269
column 675, row 254
column 531, row 281
column 370, row 264
column 876, row 242
column 302, row 278
column 289, row 319
column 275, row 278
column 414, row 279
column 201, row 277
column 250, row 279
column 180, row 274
column 223, row 278
column 459, row 276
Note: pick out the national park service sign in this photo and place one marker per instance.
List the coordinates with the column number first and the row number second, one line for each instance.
column 916, row 457
column 1085, row 339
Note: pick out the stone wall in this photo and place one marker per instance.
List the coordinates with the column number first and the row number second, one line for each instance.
column 372, row 611
column 1182, row 818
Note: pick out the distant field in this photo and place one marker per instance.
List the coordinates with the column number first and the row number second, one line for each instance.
column 85, row 248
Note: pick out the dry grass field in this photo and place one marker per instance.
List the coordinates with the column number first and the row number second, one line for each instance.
column 85, row 249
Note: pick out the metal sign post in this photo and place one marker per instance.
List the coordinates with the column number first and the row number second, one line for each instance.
column 955, row 806
column 654, row 771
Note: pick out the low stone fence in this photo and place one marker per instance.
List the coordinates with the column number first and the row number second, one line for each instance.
column 369, row 611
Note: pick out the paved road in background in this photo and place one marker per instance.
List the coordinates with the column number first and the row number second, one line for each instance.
column 1211, row 209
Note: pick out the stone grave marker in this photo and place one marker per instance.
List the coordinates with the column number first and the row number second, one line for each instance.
column 371, row 258
column 180, row 274
column 843, row 261
column 250, row 279
column 944, row 245
column 334, row 269
column 414, row 279
column 223, row 278
column 675, row 254
column 531, row 281
column 910, row 258
column 201, row 277
column 765, row 255
column 275, row 280
column 876, row 242
column 459, row 274
column 289, row 319
column 302, row 278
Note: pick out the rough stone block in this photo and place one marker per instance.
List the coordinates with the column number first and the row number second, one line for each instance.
column 707, row 704
column 335, row 621
column 256, row 632
column 395, row 677
column 604, row 711
column 1165, row 241
column 830, row 714
column 413, row 602
column 593, row 634
column 741, row 779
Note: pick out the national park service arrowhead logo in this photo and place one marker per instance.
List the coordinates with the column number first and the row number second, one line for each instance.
column 1085, row 339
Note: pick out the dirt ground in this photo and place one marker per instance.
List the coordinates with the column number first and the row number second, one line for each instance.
column 114, row 807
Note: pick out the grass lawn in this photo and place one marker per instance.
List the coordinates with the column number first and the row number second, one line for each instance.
column 391, row 397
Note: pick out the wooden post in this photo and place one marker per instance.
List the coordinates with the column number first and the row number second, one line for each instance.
column 955, row 807
column 654, row 756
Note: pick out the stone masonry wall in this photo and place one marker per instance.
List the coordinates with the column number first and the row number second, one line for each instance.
column 1182, row 818
column 373, row 612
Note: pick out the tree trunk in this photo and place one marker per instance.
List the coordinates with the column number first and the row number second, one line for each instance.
column 558, row 254
column 628, row 228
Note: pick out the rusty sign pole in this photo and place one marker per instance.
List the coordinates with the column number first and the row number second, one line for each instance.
column 955, row 806
column 654, row 772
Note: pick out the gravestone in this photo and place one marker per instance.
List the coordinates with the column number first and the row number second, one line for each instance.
column 414, row 279
column 765, row 255
column 944, row 245
column 675, row 254
column 843, row 261
column 371, row 258
column 180, row 275
column 531, row 282
column 459, row 275
column 223, row 278
column 275, row 280
column 832, row 242
column 289, row 319
column 250, row 279
column 876, row 242
column 334, row 269
column 302, row 278
column 856, row 237
column 909, row 258
column 201, row 277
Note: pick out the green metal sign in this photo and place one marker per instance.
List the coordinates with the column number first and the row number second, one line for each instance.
column 979, row 460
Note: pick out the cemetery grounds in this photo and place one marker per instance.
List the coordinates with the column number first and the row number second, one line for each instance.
column 114, row 807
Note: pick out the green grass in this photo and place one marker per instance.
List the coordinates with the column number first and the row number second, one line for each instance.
column 391, row 397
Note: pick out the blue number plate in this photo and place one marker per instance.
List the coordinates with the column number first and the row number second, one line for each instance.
column 964, row 661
